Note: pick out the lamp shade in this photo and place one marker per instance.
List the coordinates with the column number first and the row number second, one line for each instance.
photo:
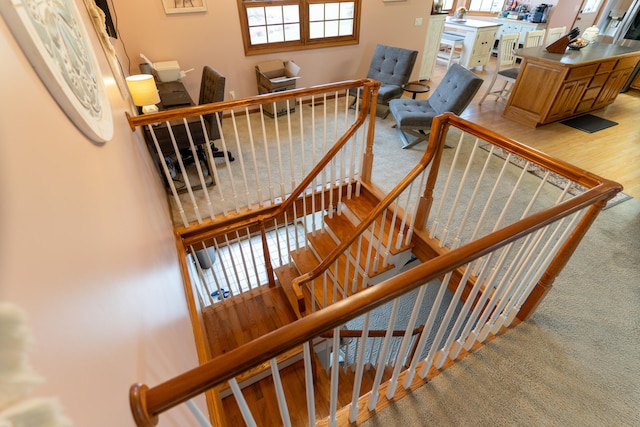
column 143, row 90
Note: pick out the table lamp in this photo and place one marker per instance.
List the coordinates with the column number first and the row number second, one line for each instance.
column 144, row 92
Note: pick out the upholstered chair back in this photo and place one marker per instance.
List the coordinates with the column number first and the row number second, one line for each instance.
column 211, row 90
column 455, row 91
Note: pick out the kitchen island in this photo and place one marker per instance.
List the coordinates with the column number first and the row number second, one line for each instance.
column 479, row 38
column 556, row 86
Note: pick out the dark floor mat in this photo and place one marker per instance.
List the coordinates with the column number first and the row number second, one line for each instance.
column 589, row 123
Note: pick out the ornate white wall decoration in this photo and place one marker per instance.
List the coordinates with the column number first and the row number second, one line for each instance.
column 53, row 38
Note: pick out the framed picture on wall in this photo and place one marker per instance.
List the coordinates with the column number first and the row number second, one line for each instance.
column 184, row 6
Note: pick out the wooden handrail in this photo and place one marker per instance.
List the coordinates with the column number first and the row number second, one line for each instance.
column 218, row 107
column 205, row 231
column 147, row 403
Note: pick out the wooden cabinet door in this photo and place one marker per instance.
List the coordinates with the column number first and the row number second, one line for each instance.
column 636, row 82
column 568, row 99
column 611, row 88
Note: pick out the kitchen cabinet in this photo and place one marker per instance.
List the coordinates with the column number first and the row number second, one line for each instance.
column 509, row 26
column 636, row 82
column 432, row 45
column 479, row 38
column 552, row 86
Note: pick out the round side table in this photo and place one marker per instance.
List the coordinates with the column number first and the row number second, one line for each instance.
column 415, row 88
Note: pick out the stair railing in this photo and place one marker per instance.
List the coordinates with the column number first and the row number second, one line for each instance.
column 272, row 155
column 352, row 341
column 320, row 189
column 480, row 285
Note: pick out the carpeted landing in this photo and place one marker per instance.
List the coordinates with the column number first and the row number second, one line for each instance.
column 573, row 363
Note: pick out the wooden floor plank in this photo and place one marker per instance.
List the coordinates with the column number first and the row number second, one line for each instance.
column 246, row 317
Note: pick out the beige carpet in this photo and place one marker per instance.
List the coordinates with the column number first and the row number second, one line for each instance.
column 574, row 363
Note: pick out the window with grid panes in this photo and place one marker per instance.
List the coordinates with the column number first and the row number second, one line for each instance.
column 283, row 25
column 490, row 6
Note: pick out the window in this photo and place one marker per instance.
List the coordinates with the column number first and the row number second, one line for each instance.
column 283, row 25
column 491, row 6
column 447, row 5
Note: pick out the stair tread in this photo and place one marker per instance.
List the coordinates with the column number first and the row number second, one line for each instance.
column 243, row 318
column 363, row 205
column 324, row 245
column 343, row 228
column 306, row 261
column 286, row 274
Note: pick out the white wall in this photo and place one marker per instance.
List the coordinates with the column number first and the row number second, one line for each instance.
column 87, row 250
column 214, row 38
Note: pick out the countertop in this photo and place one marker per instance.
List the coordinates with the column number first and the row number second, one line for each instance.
column 517, row 21
column 590, row 53
column 471, row 23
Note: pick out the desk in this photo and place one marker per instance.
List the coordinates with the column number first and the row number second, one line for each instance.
column 169, row 92
column 556, row 86
column 174, row 95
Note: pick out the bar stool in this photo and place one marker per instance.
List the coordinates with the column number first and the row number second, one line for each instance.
column 451, row 45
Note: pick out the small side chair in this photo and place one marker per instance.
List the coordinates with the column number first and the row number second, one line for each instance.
column 392, row 66
column 554, row 34
column 534, row 38
column 506, row 70
column 453, row 94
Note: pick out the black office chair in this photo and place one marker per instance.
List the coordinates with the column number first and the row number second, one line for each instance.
column 212, row 90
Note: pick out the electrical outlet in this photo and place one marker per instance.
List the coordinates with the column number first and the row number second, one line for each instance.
column 418, row 22
column 232, row 94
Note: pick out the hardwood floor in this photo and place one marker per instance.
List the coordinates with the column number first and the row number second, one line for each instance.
column 612, row 153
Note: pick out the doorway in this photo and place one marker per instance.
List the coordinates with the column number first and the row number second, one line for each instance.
column 587, row 15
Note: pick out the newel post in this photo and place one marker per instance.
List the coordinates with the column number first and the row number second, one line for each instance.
column 138, row 403
column 370, row 95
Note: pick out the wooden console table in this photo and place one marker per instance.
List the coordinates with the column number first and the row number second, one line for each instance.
column 555, row 86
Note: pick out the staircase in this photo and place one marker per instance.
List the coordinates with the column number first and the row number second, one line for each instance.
column 265, row 309
column 359, row 267
column 491, row 238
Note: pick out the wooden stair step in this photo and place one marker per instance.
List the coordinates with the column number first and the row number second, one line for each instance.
column 286, row 274
column 363, row 205
column 305, row 260
column 243, row 318
column 343, row 228
column 323, row 244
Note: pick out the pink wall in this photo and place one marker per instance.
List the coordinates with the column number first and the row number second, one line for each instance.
column 87, row 247
column 213, row 38
column 564, row 13
column 87, row 251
